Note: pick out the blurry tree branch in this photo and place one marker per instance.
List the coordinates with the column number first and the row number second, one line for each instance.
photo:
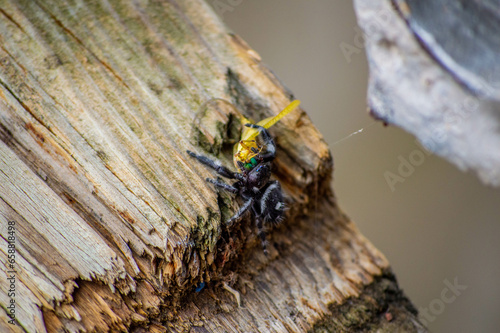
column 435, row 72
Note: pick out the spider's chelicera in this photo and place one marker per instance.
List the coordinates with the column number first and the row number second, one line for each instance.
column 260, row 194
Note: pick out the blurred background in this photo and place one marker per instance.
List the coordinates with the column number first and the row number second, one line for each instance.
column 440, row 226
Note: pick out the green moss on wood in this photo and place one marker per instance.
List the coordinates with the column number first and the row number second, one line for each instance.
column 381, row 307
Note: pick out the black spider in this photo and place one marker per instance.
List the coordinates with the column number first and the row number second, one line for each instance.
column 253, row 184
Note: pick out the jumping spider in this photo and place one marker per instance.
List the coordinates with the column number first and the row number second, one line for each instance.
column 260, row 194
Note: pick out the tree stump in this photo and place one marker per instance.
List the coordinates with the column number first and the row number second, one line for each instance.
column 111, row 223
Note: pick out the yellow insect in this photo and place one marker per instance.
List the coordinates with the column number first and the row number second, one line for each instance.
column 247, row 149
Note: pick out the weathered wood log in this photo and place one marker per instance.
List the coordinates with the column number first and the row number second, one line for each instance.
column 113, row 224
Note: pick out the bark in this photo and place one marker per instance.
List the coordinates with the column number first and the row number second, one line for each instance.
column 115, row 226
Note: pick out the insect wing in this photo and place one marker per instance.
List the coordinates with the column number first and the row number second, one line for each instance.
column 251, row 133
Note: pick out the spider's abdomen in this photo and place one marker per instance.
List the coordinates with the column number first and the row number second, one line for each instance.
column 272, row 204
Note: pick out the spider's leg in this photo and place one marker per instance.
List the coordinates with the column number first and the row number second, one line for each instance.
column 242, row 211
column 216, row 165
column 241, row 166
column 220, row 184
column 270, row 153
column 261, row 233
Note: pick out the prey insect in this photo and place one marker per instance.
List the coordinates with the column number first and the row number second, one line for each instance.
column 261, row 195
